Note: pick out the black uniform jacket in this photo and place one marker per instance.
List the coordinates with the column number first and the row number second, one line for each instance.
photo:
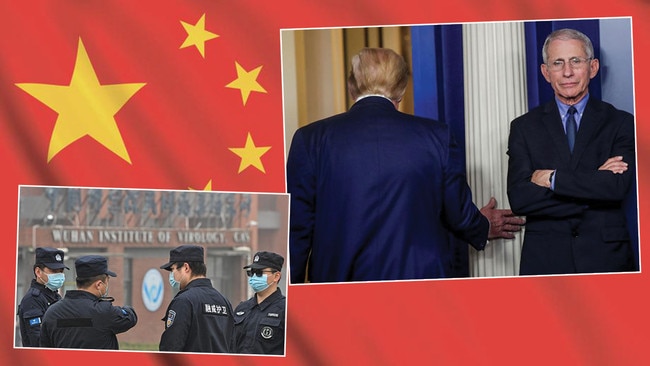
column 82, row 320
column 259, row 328
column 198, row 319
column 31, row 310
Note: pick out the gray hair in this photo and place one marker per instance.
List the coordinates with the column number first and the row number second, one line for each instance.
column 566, row 34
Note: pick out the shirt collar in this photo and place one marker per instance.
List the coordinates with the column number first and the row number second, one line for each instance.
column 372, row 95
column 580, row 106
column 270, row 299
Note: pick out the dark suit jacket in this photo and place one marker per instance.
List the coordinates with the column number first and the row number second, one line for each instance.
column 374, row 195
column 580, row 226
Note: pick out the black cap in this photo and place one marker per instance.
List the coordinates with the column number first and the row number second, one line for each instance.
column 266, row 260
column 91, row 266
column 184, row 253
column 50, row 258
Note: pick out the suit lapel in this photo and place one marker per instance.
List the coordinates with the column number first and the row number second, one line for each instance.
column 590, row 122
column 553, row 123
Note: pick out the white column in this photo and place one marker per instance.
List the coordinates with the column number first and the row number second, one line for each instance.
column 495, row 94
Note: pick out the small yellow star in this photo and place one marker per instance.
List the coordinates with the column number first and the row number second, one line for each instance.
column 85, row 107
column 246, row 82
column 208, row 187
column 197, row 35
column 250, row 154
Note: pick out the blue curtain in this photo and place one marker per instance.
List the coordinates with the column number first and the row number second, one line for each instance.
column 437, row 56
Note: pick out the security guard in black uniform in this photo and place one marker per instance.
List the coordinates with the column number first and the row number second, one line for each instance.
column 86, row 317
column 199, row 318
column 43, row 292
column 259, row 321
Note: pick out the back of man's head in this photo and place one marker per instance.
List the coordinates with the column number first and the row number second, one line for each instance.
column 378, row 71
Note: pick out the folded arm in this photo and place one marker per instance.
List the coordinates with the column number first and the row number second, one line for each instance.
column 526, row 197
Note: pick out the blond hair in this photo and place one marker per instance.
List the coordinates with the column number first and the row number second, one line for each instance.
column 378, row 71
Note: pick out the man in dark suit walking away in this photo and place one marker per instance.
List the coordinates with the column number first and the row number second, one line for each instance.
column 376, row 193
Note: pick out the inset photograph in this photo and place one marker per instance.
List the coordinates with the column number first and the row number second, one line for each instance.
column 433, row 151
column 151, row 270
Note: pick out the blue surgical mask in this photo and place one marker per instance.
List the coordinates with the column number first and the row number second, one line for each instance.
column 175, row 284
column 55, row 281
column 258, row 283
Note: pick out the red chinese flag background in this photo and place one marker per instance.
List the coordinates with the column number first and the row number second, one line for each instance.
column 214, row 121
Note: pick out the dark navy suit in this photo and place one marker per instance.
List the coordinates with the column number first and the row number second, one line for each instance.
column 375, row 194
column 580, row 226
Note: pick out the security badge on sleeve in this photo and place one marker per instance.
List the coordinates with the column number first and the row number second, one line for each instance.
column 170, row 318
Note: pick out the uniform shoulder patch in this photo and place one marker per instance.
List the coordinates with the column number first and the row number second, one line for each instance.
column 171, row 315
column 35, row 321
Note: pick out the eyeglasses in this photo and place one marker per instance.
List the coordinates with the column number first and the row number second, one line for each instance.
column 257, row 272
column 574, row 63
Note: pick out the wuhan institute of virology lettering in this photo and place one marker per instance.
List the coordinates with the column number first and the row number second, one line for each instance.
column 72, row 236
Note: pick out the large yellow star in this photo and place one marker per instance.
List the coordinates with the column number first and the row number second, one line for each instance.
column 197, row 35
column 250, row 154
column 85, row 107
column 246, row 82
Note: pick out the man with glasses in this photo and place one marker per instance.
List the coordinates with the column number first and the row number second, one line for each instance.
column 571, row 164
column 43, row 292
column 199, row 318
column 259, row 321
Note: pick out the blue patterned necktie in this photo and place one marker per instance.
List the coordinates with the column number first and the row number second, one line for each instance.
column 571, row 127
